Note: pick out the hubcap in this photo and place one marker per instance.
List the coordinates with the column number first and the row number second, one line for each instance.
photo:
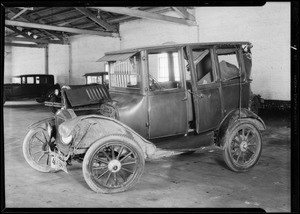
column 114, row 165
column 244, row 146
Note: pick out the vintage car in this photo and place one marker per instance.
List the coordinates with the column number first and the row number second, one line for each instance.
column 90, row 79
column 39, row 86
column 162, row 100
column 96, row 78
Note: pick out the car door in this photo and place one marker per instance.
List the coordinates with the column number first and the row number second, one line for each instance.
column 205, row 88
column 167, row 106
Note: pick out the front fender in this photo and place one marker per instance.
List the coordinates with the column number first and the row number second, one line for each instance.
column 50, row 120
column 90, row 128
column 233, row 117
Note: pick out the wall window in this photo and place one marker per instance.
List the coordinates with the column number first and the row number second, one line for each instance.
column 164, row 70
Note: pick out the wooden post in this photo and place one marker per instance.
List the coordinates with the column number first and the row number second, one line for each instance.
column 47, row 59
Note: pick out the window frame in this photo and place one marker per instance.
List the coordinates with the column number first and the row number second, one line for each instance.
column 140, row 67
column 181, row 75
column 214, row 69
column 239, row 61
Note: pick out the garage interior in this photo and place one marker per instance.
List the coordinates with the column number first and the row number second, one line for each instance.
column 67, row 42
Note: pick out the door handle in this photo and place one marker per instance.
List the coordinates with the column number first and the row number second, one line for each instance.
column 184, row 99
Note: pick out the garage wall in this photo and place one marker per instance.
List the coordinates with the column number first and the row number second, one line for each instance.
column 59, row 64
column 145, row 32
column 85, row 51
column 23, row 60
column 26, row 61
column 267, row 27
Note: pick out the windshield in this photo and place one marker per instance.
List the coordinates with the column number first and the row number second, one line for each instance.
column 125, row 74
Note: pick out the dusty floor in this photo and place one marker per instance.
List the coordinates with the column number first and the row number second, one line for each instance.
column 197, row 180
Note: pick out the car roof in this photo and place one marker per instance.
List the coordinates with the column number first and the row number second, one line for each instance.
column 96, row 73
column 179, row 45
column 34, row 75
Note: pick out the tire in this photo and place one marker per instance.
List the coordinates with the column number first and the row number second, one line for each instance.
column 242, row 140
column 110, row 155
column 37, row 136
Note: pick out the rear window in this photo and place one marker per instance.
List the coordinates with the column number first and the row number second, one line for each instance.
column 126, row 74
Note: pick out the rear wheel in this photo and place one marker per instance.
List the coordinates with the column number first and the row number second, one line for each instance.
column 113, row 164
column 243, row 146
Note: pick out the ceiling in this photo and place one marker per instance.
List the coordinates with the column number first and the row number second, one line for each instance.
column 44, row 25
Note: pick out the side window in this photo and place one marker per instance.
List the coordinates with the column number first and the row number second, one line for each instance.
column 203, row 66
column 164, row 70
column 228, row 64
column 23, row 80
column 30, row 80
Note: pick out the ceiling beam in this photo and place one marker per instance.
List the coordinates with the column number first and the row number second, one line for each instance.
column 70, row 10
column 94, row 18
column 18, row 14
column 130, row 18
column 24, row 45
column 39, row 10
column 182, row 11
column 56, row 28
column 22, row 39
column 69, row 21
column 146, row 15
column 19, row 32
column 27, row 18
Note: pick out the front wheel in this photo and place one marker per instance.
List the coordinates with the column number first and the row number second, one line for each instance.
column 113, row 164
column 243, row 146
column 36, row 149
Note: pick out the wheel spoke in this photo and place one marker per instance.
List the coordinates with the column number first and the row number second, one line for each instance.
column 120, row 152
column 243, row 133
column 236, row 142
column 100, row 160
column 37, row 152
column 246, row 138
column 102, row 174
column 100, row 167
column 106, row 155
column 127, row 170
column 45, row 136
column 122, row 177
column 126, row 156
column 250, row 141
column 38, row 160
column 237, row 160
column 128, row 163
column 112, row 152
column 39, row 140
column 108, row 178
column 115, row 179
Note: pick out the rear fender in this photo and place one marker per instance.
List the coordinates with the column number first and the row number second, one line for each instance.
column 232, row 117
column 90, row 128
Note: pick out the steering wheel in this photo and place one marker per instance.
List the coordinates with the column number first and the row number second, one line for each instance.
column 153, row 83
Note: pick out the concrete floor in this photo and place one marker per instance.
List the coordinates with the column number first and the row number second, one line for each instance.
column 197, row 180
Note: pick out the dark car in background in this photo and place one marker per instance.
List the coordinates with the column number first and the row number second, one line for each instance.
column 39, row 86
